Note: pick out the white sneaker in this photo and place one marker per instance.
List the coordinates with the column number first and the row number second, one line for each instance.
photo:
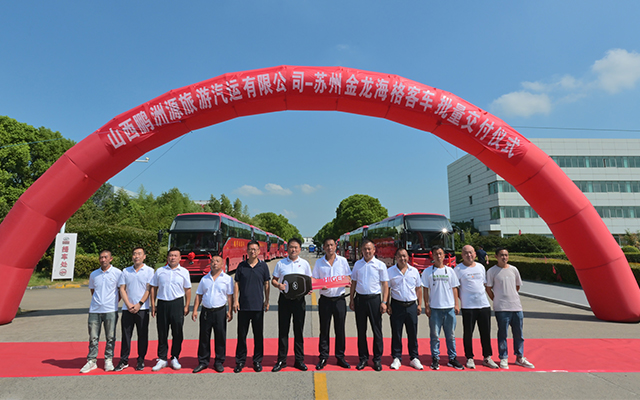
column 523, row 362
column 415, row 363
column 175, row 364
column 488, row 362
column 108, row 365
column 395, row 364
column 471, row 364
column 504, row 363
column 161, row 364
column 89, row 366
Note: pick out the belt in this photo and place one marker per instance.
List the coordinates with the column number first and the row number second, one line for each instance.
column 368, row 296
column 403, row 303
column 213, row 309
column 337, row 298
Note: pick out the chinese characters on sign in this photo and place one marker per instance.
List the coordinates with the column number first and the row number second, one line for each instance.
column 394, row 91
column 64, row 256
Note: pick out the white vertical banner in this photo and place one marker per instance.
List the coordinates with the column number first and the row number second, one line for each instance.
column 64, row 256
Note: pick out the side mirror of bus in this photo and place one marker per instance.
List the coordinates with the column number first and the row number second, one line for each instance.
column 160, row 235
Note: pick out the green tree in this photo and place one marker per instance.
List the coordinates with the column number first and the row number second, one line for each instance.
column 25, row 154
column 277, row 224
column 225, row 205
column 327, row 231
column 358, row 210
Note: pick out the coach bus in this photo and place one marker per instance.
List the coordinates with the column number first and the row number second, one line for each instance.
column 355, row 243
column 202, row 235
column 416, row 233
column 343, row 246
column 273, row 246
column 261, row 237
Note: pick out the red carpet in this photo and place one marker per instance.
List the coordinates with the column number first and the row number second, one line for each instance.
column 548, row 355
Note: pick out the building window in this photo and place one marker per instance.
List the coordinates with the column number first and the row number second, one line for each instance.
column 501, row 186
column 597, row 161
column 470, row 200
column 513, row 212
column 469, row 178
column 618, row 212
column 608, row 186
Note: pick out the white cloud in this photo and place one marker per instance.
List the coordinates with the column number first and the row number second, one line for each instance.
column 521, row 104
column 308, row 189
column 247, row 190
column 289, row 214
column 618, row 70
column 342, row 47
column 272, row 188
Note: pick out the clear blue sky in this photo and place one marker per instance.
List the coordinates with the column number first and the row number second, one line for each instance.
column 73, row 65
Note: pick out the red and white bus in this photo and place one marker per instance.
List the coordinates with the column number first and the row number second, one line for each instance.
column 273, row 244
column 417, row 233
column 261, row 237
column 202, row 235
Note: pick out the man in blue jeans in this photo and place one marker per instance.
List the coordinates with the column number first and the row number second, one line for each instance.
column 441, row 306
column 503, row 285
column 103, row 284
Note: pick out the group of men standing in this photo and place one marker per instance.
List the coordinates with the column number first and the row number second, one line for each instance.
column 375, row 290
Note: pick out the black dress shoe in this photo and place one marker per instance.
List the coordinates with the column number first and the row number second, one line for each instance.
column 342, row 363
column 321, row 364
column 218, row 367
column 238, row 367
column 257, row 366
column 199, row 368
column 377, row 366
column 279, row 365
column 301, row 366
column 361, row 365
column 140, row 365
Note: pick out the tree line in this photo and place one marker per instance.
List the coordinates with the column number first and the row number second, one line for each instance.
column 27, row 152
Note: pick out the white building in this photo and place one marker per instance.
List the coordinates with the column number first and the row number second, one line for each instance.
column 606, row 170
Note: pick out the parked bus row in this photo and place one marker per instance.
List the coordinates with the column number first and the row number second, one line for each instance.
column 416, row 233
column 199, row 236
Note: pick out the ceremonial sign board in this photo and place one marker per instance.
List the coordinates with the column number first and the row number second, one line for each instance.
column 64, row 257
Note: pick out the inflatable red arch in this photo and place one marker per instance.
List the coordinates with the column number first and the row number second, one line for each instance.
column 37, row 216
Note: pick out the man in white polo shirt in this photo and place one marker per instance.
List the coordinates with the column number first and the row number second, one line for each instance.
column 331, row 304
column 369, row 280
column 405, row 290
column 171, row 285
column 103, row 284
column 288, row 308
column 215, row 293
column 134, row 290
column 475, row 306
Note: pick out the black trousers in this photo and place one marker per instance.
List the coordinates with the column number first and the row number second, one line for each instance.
column 286, row 310
column 141, row 321
column 170, row 314
column 335, row 308
column 404, row 315
column 212, row 319
column 368, row 307
column 256, row 319
column 481, row 316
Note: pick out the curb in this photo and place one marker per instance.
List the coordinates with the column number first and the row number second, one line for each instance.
column 65, row 286
column 557, row 301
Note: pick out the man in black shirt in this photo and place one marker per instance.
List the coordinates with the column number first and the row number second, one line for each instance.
column 251, row 301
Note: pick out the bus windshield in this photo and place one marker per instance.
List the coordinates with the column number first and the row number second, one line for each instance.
column 194, row 241
column 426, row 231
column 196, row 232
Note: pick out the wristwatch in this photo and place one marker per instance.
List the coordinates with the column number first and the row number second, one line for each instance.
column 141, row 303
column 384, row 302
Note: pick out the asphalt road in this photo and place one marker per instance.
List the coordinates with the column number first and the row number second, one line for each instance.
column 61, row 315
